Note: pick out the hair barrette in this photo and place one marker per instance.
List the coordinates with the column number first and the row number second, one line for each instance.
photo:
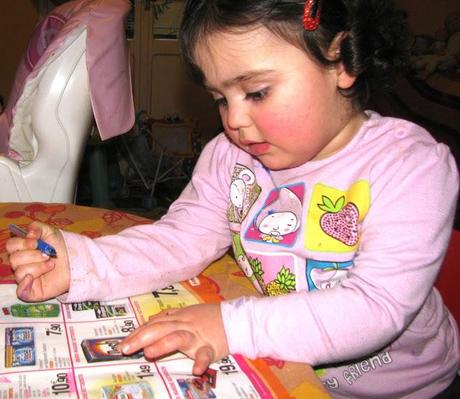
column 311, row 14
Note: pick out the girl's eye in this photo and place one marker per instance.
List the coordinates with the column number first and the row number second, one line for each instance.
column 221, row 102
column 257, row 95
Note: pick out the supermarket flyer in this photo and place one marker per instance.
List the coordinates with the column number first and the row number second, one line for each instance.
column 56, row 350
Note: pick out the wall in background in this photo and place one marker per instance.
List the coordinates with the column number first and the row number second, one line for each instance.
column 161, row 86
column 427, row 16
column 17, row 22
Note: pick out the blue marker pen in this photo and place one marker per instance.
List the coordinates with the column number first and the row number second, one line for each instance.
column 41, row 245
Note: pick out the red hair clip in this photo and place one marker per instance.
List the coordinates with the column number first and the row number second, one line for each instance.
column 311, row 14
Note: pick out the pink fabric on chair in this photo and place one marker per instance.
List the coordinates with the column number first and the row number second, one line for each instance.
column 41, row 38
column 106, row 60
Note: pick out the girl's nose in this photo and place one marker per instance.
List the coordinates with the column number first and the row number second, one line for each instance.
column 237, row 117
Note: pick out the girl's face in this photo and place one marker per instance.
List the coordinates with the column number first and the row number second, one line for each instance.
column 274, row 101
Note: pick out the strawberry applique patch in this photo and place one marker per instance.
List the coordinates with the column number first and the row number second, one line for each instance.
column 334, row 217
column 340, row 220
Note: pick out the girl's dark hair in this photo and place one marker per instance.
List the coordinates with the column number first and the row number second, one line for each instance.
column 373, row 47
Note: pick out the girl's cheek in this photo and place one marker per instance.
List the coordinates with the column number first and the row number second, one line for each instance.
column 273, row 125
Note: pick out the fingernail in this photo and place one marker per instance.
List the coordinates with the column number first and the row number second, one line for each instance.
column 24, row 296
column 123, row 348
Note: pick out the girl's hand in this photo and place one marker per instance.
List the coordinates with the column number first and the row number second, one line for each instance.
column 197, row 331
column 39, row 277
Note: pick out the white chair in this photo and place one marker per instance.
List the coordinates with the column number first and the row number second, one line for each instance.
column 81, row 75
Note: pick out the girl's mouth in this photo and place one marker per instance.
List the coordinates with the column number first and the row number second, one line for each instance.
column 257, row 149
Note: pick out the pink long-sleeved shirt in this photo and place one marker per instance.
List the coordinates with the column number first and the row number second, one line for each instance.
column 346, row 250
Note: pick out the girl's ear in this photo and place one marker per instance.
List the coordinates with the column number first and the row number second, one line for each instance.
column 344, row 79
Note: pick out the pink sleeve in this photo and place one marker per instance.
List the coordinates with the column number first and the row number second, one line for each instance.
column 148, row 257
column 404, row 239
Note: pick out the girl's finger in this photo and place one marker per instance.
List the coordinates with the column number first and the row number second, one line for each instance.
column 15, row 244
column 162, row 317
column 37, row 229
column 204, row 356
column 34, row 231
column 35, row 270
column 31, row 289
column 178, row 340
column 24, row 258
column 23, row 291
column 144, row 335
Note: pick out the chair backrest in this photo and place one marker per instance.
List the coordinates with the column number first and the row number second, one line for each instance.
column 449, row 277
column 62, row 118
column 76, row 66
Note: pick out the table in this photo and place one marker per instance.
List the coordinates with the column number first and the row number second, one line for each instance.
column 223, row 279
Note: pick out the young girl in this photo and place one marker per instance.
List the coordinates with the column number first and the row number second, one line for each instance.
column 340, row 216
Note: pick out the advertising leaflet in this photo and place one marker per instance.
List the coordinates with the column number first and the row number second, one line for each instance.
column 55, row 350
